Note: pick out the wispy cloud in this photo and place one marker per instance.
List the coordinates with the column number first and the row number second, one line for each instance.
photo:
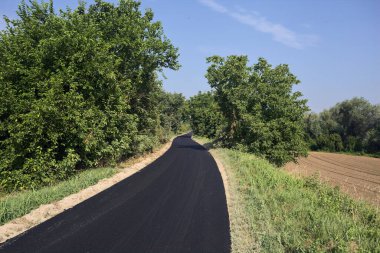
column 214, row 6
column 278, row 31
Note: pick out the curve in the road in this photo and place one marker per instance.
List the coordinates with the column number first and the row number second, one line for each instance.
column 176, row 204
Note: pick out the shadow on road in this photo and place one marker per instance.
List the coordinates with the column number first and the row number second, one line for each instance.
column 209, row 145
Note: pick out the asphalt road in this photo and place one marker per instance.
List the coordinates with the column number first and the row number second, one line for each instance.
column 176, row 204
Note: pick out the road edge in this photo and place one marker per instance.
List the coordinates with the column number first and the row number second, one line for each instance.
column 44, row 212
column 225, row 178
column 242, row 240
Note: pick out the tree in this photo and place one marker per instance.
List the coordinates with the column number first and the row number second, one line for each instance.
column 356, row 117
column 356, row 122
column 373, row 139
column 142, row 50
column 173, row 111
column 263, row 115
column 78, row 88
column 206, row 118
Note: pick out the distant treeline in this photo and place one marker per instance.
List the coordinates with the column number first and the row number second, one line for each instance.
column 79, row 88
column 351, row 126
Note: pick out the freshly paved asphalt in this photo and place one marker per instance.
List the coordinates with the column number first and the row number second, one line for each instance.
column 176, row 204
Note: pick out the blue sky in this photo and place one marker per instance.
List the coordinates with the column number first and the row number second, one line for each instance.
column 333, row 46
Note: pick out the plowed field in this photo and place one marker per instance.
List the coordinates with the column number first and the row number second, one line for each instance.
column 358, row 176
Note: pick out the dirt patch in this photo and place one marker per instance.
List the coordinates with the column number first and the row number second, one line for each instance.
column 45, row 212
column 359, row 176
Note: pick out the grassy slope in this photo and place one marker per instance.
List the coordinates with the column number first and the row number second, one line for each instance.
column 19, row 203
column 285, row 214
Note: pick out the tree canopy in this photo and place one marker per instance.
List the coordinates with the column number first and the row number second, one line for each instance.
column 78, row 88
column 263, row 115
column 352, row 125
column 206, row 117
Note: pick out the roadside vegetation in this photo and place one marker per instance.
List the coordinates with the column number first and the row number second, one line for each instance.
column 286, row 214
column 80, row 88
column 289, row 215
column 352, row 127
column 17, row 204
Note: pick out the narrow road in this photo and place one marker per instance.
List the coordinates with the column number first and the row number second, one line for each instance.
column 176, row 204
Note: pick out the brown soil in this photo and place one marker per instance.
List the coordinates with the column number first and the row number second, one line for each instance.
column 359, row 176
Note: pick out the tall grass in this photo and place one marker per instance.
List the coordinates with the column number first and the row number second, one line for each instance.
column 300, row 215
column 286, row 214
column 20, row 203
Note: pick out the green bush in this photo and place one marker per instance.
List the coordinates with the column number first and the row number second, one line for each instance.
column 78, row 89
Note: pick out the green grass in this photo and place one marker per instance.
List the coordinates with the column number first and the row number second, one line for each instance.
column 20, row 203
column 17, row 204
column 285, row 214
